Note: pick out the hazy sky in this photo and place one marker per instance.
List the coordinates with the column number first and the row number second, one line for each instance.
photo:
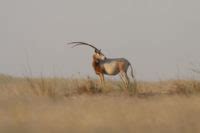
column 161, row 38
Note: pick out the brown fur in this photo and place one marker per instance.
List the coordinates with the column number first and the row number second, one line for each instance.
column 96, row 65
column 121, row 67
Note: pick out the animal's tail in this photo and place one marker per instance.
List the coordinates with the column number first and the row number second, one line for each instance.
column 134, row 89
column 132, row 75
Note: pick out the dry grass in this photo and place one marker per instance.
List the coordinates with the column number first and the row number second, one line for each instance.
column 49, row 105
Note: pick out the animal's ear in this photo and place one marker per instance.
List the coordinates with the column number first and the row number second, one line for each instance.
column 96, row 51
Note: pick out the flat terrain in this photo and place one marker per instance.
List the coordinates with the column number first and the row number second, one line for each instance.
column 50, row 105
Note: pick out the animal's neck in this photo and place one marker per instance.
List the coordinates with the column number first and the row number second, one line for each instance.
column 96, row 65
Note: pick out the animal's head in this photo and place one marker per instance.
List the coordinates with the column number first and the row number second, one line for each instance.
column 98, row 55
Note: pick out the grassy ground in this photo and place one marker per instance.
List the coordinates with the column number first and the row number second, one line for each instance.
column 49, row 105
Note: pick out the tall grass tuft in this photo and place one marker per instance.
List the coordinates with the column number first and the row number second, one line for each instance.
column 187, row 87
column 89, row 87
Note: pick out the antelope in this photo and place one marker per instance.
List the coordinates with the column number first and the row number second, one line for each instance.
column 108, row 66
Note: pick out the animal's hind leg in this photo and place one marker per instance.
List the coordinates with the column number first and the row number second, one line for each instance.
column 124, row 78
column 127, row 80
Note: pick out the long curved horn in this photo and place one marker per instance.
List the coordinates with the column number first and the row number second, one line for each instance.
column 82, row 43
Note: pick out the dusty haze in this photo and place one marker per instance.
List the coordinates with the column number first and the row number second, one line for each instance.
column 159, row 37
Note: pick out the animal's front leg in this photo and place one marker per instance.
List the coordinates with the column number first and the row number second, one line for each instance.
column 101, row 77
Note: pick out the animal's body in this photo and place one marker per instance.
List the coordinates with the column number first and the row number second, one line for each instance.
column 113, row 66
column 109, row 66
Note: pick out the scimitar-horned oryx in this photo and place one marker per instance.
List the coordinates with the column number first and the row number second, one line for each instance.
column 109, row 66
